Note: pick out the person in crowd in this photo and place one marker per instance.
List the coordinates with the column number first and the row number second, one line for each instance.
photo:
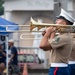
column 2, row 59
column 13, row 60
column 14, row 55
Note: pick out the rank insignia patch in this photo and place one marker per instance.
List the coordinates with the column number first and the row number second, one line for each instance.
column 57, row 39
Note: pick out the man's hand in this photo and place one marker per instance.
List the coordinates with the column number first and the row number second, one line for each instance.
column 49, row 31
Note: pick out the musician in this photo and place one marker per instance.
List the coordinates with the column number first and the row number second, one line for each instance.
column 60, row 46
column 72, row 60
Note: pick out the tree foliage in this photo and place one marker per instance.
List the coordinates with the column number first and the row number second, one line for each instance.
column 1, row 7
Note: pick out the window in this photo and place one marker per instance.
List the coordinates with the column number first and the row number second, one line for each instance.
column 21, row 58
column 26, row 58
column 29, row 58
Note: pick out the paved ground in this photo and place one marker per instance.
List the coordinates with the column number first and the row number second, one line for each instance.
column 38, row 74
column 33, row 74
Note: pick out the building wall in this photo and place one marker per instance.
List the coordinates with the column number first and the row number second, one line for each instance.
column 29, row 5
column 22, row 17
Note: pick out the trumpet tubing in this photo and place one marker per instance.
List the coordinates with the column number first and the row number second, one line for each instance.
column 59, row 27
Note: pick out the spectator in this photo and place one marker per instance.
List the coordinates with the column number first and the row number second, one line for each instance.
column 2, row 59
column 14, row 55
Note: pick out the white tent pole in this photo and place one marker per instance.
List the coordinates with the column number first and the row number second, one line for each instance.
column 6, row 53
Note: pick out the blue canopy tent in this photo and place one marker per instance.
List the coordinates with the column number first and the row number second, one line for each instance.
column 10, row 26
column 5, row 26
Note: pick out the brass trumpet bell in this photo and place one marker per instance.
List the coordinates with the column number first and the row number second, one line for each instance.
column 34, row 24
column 59, row 27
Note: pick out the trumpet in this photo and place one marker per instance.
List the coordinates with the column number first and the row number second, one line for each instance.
column 59, row 27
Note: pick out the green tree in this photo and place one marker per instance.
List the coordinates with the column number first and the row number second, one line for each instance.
column 1, row 7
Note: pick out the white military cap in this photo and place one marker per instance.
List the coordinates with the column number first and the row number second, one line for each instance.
column 74, row 23
column 11, row 40
column 66, row 16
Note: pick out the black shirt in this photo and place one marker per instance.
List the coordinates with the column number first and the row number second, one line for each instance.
column 15, row 59
column 2, row 57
